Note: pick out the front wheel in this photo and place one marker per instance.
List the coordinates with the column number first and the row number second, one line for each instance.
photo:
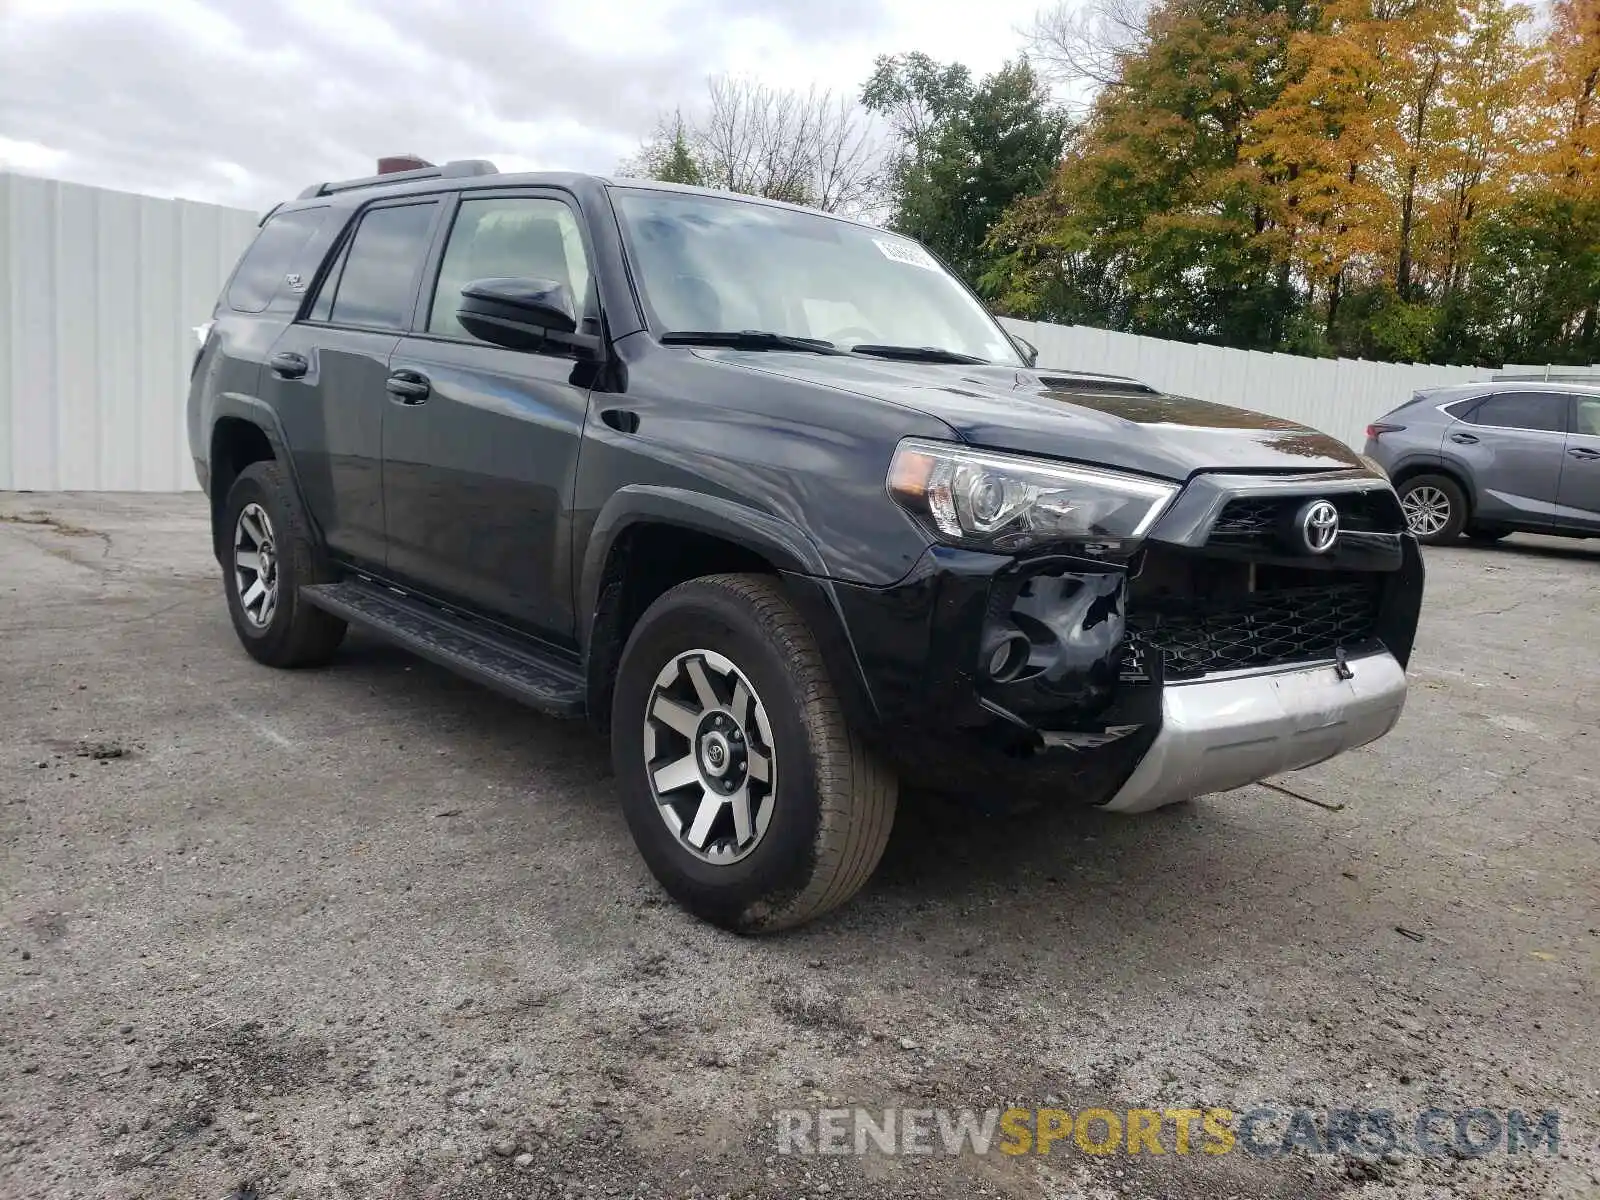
column 752, row 800
column 1435, row 508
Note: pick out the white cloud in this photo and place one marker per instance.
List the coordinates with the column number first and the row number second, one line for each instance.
column 246, row 101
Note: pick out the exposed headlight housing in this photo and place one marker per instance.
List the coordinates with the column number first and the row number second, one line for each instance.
column 1009, row 502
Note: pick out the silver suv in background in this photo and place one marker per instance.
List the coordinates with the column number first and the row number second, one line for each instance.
column 1488, row 459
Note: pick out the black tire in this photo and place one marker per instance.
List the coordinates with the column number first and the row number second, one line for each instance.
column 1455, row 520
column 296, row 635
column 1486, row 533
column 833, row 800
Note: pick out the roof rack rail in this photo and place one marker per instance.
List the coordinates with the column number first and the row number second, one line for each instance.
column 462, row 168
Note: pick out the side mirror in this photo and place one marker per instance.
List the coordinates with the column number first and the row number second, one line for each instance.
column 1029, row 352
column 516, row 313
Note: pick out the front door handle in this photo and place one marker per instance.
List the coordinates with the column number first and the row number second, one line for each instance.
column 1465, row 439
column 408, row 387
column 289, row 365
column 1584, row 452
column 620, row 419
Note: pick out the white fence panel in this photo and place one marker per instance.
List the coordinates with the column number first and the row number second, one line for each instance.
column 99, row 292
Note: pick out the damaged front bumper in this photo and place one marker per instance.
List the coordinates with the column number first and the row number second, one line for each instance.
column 1100, row 715
column 1223, row 733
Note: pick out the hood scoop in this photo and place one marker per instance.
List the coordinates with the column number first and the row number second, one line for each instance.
column 1096, row 383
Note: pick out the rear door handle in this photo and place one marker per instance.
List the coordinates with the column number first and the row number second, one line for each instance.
column 289, row 364
column 408, row 387
column 620, row 419
column 1584, row 452
column 1466, row 439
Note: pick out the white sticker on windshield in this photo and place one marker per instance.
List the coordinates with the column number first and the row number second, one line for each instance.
column 909, row 253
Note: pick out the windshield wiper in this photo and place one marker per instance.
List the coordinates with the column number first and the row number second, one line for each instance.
column 748, row 339
column 916, row 353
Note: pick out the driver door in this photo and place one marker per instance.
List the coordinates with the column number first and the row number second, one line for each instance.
column 480, row 444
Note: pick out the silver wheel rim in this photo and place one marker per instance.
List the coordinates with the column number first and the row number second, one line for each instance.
column 1427, row 510
column 708, row 757
column 255, row 565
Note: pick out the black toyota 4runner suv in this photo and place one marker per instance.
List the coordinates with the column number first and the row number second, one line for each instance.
column 771, row 497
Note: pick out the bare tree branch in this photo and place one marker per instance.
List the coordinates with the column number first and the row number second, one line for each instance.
column 1084, row 44
column 809, row 147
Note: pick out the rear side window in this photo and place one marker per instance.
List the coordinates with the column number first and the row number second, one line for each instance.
column 1522, row 410
column 376, row 285
column 272, row 257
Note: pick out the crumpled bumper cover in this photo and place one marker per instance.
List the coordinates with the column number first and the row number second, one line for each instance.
column 1223, row 733
column 1078, row 731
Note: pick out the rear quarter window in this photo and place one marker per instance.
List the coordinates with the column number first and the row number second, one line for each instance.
column 272, row 258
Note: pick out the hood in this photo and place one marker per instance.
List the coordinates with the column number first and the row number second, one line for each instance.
column 1101, row 420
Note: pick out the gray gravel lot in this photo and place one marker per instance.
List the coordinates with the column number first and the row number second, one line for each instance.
column 372, row 931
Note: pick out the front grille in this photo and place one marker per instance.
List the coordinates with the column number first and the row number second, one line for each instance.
column 1255, row 521
column 1258, row 629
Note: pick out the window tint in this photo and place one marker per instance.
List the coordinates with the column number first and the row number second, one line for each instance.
column 509, row 238
column 1523, row 410
column 322, row 308
column 375, row 286
column 275, row 253
column 1586, row 415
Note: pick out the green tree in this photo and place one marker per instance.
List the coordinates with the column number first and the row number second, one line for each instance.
column 1159, row 188
column 965, row 151
column 678, row 164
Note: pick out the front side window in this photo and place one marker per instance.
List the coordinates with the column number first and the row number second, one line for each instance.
column 1523, row 410
column 376, row 285
column 515, row 237
column 707, row 264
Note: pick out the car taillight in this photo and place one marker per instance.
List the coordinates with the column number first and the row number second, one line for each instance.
column 201, row 333
column 1380, row 427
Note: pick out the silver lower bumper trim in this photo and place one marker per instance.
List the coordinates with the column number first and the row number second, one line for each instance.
column 1218, row 734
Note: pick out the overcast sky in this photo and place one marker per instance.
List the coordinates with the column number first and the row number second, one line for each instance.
column 244, row 102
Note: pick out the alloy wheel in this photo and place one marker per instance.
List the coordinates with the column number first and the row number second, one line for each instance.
column 255, row 565
column 709, row 756
column 1426, row 509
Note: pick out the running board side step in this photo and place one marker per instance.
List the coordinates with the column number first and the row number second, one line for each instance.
column 456, row 643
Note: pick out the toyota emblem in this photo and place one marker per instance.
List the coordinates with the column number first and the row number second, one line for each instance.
column 1319, row 526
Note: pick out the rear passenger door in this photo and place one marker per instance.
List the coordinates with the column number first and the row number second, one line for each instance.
column 478, row 467
column 1511, row 445
column 327, row 372
column 1579, row 496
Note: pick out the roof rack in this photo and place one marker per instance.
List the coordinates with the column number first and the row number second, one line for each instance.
column 463, row 168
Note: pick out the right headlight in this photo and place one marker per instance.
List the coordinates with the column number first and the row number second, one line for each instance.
column 1010, row 502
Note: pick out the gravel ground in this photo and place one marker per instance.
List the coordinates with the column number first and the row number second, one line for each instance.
column 372, row 931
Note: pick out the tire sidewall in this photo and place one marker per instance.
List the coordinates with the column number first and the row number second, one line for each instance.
column 255, row 485
column 701, row 617
column 1458, row 507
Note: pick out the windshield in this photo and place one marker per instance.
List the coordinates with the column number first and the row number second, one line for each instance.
column 707, row 264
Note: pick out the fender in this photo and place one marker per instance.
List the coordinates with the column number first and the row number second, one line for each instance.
column 259, row 413
column 781, row 543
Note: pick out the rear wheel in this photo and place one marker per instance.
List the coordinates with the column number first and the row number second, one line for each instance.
column 269, row 555
column 1435, row 508
column 752, row 800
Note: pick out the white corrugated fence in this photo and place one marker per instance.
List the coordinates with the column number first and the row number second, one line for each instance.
column 101, row 289
column 99, row 293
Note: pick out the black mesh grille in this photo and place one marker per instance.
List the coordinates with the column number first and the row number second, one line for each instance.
column 1256, row 521
column 1260, row 629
